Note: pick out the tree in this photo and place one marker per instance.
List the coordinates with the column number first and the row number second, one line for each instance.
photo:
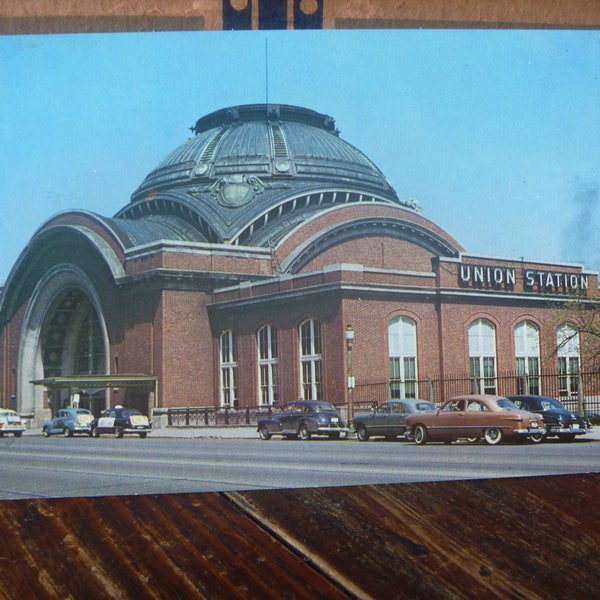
column 583, row 315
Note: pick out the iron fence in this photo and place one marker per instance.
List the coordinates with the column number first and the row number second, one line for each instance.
column 208, row 416
column 579, row 392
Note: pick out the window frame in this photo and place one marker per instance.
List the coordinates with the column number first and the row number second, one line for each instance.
column 228, row 363
column 482, row 363
column 310, row 344
column 527, row 364
column 267, row 365
column 402, row 358
column 569, row 360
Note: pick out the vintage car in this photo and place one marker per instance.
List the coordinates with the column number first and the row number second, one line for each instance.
column 120, row 420
column 388, row 419
column 69, row 421
column 10, row 422
column 473, row 417
column 302, row 419
column 559, row 421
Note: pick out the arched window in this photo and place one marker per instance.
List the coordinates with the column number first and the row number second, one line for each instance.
column 229, row 368
column 402, row 350
column 482, row 356
column 89, row 353
column 311, row 362
column 527, row 356
column 567, row 340
column 266, row 339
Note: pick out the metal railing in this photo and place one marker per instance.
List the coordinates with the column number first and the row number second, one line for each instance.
column 579, row 392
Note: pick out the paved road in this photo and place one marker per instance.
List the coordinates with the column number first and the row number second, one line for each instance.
column 33, row 466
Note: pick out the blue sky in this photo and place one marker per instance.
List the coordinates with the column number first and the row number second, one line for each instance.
column 495, row 133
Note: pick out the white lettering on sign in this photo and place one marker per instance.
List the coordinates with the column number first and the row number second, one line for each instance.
column 495, row 277
column 505, row 278
column 550, row 281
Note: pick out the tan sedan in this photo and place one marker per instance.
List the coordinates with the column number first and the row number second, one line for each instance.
column 473, row 417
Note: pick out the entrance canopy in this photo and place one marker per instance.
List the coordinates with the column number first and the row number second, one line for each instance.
column 143, row 383
column 98, row 381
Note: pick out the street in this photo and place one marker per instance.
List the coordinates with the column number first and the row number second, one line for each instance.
column 35, row 467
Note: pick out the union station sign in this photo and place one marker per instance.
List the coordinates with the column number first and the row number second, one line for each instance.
column 533, row 280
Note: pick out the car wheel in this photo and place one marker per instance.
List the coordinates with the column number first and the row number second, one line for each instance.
column 263, row 432
column 143, row 434
column 18, row 433
column 362, row 434
column 45, row 432
column 303, row 432
column 420, row 435
column 472, row 439
column 569, row 437
column 95, row 432
column 118, row 432
column 536, row 438
column 492, row 435
column 67, row 432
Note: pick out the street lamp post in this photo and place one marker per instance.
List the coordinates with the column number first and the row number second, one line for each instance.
column 349, row 334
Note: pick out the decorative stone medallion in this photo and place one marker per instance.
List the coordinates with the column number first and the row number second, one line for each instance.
column 237, row 189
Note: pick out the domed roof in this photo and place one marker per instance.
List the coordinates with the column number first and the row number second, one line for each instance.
column 234, row 180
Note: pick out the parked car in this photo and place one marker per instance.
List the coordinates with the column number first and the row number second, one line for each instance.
column 10, row 422
column 560, row 421
column 472, row 417
column 388, row 419
column 120, row 420
column 69, row 421
column 302, row 419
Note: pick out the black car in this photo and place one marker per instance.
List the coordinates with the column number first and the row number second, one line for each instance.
column 559, row 421
column 388, row 419
column 302, row 419
column 120, row 420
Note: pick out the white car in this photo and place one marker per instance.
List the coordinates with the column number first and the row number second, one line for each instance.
column 10, row 422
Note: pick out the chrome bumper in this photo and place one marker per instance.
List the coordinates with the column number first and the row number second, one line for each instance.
column 567, row 430
column 538, row 431
column 324, row 429
column 137, row 429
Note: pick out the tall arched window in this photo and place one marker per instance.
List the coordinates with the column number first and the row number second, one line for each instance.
column 527, row 356
column 402, row 350
column 266, row 339
column 567, row 339
column 482, row 356
column 229, row 368
column 311, row 360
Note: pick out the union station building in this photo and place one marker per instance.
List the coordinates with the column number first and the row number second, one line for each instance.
column 264, row 260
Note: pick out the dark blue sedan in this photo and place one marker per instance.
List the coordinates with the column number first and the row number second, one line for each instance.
column 560, row 421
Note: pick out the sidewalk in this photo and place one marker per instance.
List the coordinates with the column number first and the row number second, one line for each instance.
column 231, row 432
column 245, row 432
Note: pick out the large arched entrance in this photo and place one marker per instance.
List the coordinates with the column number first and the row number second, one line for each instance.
column 72, row 344
column 64, row 334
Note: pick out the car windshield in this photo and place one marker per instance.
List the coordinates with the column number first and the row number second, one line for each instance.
column 550, row 403
column 505, row 403
column 323, row 406
column 127, row 412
